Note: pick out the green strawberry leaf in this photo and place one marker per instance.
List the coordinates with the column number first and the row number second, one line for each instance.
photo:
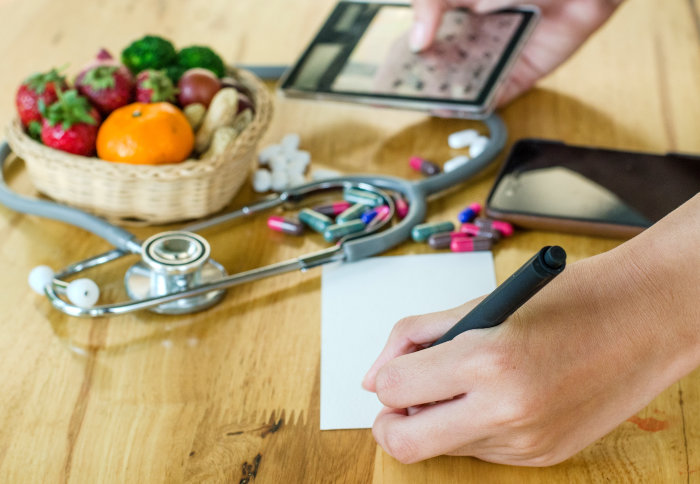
column 100, row 77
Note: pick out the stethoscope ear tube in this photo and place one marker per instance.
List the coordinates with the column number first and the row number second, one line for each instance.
column 116, row 236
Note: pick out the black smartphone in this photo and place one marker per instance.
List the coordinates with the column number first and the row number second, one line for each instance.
column 554, row 186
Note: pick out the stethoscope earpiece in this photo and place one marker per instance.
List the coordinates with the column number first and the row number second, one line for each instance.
column 82, row 292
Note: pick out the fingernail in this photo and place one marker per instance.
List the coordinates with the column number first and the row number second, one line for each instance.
column 417, row 38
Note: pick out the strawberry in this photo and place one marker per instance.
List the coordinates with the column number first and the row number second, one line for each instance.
column 39, row 86
column 107, row 84
column 154, row 86
column 70, row 124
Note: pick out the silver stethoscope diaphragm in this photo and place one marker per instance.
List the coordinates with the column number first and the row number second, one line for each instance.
column 172, row 262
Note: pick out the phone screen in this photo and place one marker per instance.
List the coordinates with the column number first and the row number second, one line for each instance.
column 555, row 180
column 362, row 54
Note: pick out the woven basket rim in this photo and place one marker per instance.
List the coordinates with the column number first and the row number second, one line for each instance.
column 190, row 168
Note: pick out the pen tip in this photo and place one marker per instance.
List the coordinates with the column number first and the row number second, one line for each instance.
column 555, row 257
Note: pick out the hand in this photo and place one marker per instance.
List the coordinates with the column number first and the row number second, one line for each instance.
column 564, row 26
column 585, row 353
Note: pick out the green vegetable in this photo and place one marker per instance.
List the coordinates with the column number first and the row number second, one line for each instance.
column 150, row 52
column 200, row 56
column 175, row 72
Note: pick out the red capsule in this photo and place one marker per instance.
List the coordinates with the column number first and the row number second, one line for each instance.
column 333, row 209
column 470, row 244
column 442, row 240
column 427, row 168
column 401, row 206
column 503, row 227
column 285, row 225
column 475, row 230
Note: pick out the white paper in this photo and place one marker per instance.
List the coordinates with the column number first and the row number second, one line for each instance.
column 361, row 302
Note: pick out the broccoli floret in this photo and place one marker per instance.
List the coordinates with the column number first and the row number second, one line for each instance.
column 175, row 72
column 199, row 56
column 150, row 52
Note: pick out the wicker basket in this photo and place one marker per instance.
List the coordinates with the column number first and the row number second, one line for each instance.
column 150, row 194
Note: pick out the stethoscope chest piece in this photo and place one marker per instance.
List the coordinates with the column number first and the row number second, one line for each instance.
column 172, row 262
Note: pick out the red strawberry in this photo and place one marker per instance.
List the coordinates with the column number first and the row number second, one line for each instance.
column 154, row 86
column 106, row 83
column 70, row 124
column 39, row 86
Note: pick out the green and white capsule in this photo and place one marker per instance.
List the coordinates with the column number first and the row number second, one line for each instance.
column 334, row 232
column 421, row 232
column 317, row 221
column 355, row 195
column 352, row 213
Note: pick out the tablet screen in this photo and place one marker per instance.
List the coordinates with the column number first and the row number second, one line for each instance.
column 362, row 51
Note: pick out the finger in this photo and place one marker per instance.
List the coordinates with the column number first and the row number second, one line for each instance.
column 485, row 6
column 432, row 431
column 427, row 15
column 431, row 375
column 412, row 333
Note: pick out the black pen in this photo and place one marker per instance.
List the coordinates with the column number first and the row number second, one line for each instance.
column 513, row 293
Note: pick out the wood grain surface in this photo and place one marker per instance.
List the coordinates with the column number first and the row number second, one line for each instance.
column 232, row 394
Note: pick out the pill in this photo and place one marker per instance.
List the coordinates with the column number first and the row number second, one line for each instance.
column 352, row 213
column 324, row 174
column 295, row 179
column 262, row 180
column 455, row 163
column 472, row 229
column 442, row 240
column 317, row 221
column 334, row 232
column 426, row 167
column 470, row 244
column 285, row 225
column 355, row 195
column 421, row 232
column 478, row 146
column 401, row 206
column 367, row 217
column 300, row 157
column 503, row 227
column 333, row 209
column 295, row 168
column 469, row 213
column 462, row 139
column 290, row 142
column 266, row 154
column 279, row 181
column 278, row 162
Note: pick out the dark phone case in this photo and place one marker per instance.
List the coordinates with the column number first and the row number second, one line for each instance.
column 559, row 224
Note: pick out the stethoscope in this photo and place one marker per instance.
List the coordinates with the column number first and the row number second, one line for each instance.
column 176, row 274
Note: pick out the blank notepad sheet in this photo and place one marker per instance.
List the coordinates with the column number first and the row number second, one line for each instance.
column 361, row 302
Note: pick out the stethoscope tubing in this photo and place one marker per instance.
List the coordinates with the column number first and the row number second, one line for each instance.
column 349, row 250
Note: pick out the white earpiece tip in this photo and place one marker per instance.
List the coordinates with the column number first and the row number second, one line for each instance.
column 83, row 292
column 39, row 278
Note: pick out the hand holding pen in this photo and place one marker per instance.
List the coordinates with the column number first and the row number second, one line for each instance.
column 581, row 356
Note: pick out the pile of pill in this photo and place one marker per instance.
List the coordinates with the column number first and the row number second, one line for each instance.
column 283, row 165
column 474, row 233
column 359, row 211
column 468, row 138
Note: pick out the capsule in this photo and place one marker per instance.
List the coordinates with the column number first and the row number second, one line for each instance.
column 504, row 228
column 454, row 163
column 475, row 230
column 333, row 209
column 427, row 168
column 442, row 240
column 478, row 146
column 367, row 217
column 421, row 232
column 470, row 244
column 317, row 221
column 462, row 139
column 355, row 195
column 334, row 232
column 285, row 225
column 401, row 206
column 469, row 213
column 383, row 212
column 352, row 213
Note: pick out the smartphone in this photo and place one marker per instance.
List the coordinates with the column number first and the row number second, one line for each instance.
column 362, row 55
column 554, row 186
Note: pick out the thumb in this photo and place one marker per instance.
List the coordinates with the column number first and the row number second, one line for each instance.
column 427, row 15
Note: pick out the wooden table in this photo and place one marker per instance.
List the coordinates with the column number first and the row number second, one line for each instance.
column 232, row 394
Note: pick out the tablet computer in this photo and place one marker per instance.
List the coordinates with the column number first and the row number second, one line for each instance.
column 361, row 54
